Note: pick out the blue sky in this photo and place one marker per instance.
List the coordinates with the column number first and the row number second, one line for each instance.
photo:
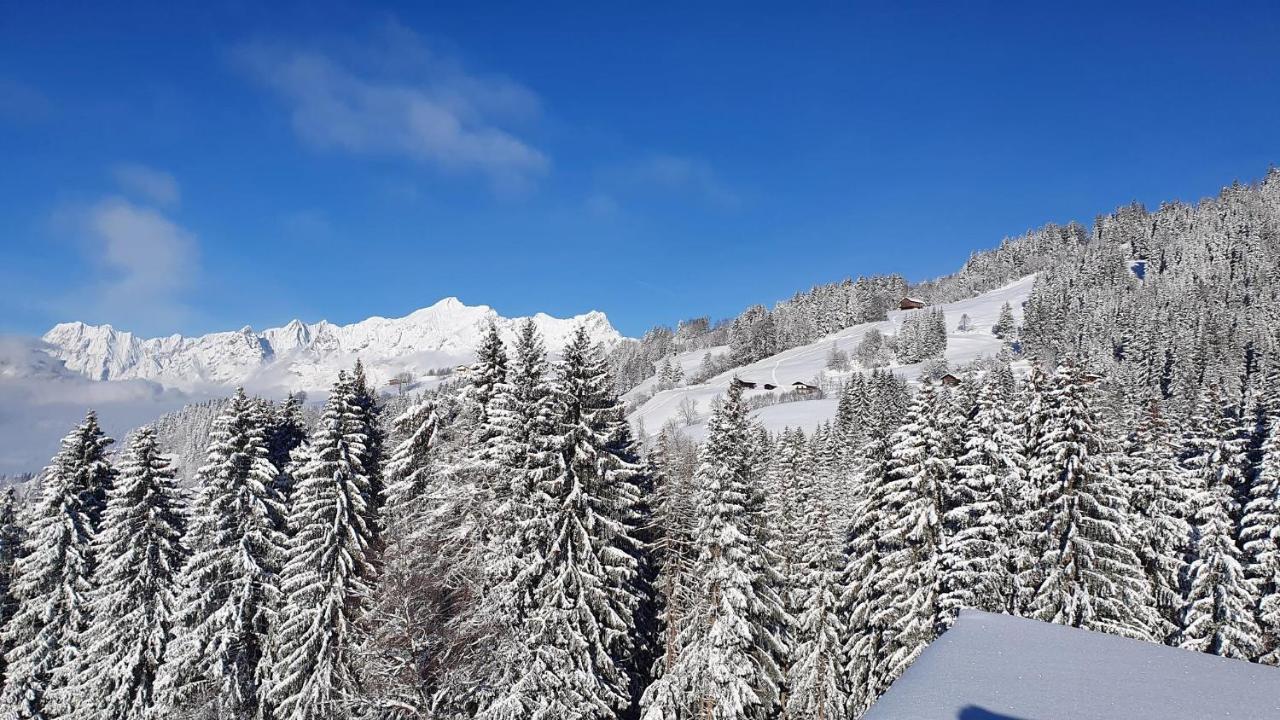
column 192, row 169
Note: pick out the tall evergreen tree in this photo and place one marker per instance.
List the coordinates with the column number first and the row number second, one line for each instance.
column 1091, row 576
column 586, row 597
column 328, row 575
column 140, row 554
column 367, row 420
column 215, row 666
column 1161, row 506
column 11, row 535
column 52, row 579
column 409, row 468
column 727, row 668
column 982, row 554
column 519, row 456
column 815, row 678
column 913, row 574
column 400, row 627
column 1219, row 614
column 1260, row 535
column 868, row 635
column 286, row 432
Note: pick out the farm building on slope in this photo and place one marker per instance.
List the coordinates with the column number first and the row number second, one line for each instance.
column 1000, row 667
column 910, row 303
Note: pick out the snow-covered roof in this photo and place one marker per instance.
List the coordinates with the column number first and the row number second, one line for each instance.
column 994, row 667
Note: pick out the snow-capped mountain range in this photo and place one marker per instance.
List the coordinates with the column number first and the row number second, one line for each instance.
column 303, row 356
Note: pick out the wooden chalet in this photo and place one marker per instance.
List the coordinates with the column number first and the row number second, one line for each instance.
column 803, row 387
column 910, row 303
column 949, row 380
column 744, row 384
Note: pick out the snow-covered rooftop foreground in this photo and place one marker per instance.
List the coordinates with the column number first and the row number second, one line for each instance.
column 999, row 667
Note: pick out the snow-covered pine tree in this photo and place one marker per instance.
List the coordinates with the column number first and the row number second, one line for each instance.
column 52, row 579
column 1089, row 575
column 519, row 455
column 1161, row 505
column 488, row 372
column 793, row 466
column 815, row 678
column 215, row 666
column 584, row 604
column 1218, row 617
column 1005, row 324
column 409, row 469
column 286, row 432
column 673, row 461
column 982, row 550
column 1260, row 534
column 11, row 535
column 139, row 555
column 399, row 627
column 866, row 641
column 727, row 668
column 912, row 539
column 329, row 571
column 367, row 420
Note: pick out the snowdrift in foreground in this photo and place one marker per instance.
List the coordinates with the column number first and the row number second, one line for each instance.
column 1000, row 667
column 808, row 363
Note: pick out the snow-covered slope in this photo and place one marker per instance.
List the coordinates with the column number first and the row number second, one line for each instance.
column 807, row 363
column 302, row 356
column 993, row 667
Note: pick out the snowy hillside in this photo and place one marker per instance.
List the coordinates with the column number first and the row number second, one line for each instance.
column 999, row 666
column 302, row 356
column 807, row 364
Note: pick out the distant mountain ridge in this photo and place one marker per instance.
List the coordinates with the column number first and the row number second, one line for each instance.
column 303, row 356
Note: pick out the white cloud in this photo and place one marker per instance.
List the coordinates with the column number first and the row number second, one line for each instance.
column 21, row 103
column 680, row 175
column 400, row 98
column 145, row 262
column 156, row 186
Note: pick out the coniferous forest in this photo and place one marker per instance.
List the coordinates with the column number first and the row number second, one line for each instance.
column 508, row 546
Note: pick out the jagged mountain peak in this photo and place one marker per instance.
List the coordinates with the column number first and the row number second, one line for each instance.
column 300, row 355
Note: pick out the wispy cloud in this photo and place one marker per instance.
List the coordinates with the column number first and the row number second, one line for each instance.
column 399, row 97
column 678, row 175
column 21, row 103
column 156, row 186
column 141, row 266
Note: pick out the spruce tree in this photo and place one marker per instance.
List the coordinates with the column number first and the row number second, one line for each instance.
column 727, row 668
column 400, row 627
column 409, row 468
column 982, row 553
column 215, row 666
column 1261, row 537
column 53, row 579
column 583, row 606
column 1161, row 506
column 518, row 457
column 1089, row 575
column 140, row 554
column 1218, row 617
column 329, row 571
column 11, row 535
column 367, row 420
column 488, row 372
column 815, row 678
column 286, row 432
column 868, row 636
column 912, row 574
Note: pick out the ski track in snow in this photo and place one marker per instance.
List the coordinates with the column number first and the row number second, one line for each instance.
column 808, row 362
